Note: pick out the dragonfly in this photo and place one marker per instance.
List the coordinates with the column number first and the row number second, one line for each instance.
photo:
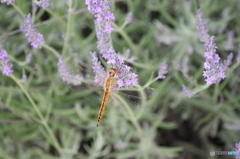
column 109, row 86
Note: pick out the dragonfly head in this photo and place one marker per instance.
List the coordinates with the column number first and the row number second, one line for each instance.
column 112, row 72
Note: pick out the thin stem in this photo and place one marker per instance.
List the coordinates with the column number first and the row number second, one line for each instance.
column 126, row 37
column 68, row 30
column 201, row 88
column 43, row 121
column 18, row 9
column 123, row 25
column 51, row 49
column 132, row 118
column 216, row 90
column 150, row 81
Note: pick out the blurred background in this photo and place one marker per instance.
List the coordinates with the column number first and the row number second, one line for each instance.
column 43, row 117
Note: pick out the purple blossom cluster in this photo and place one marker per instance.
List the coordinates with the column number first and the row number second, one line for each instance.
column 227, row 62
column 100, row 73
column 214, row 71
column 229, row 42
column 34, row 38
column 129, row 18
column 8, row 2
column 125, row 78
column 5, row 65
column 187, row 92
column 202, row 27
column 163, row 70
column 43, row 3
column 103, row 24
column 65, row 73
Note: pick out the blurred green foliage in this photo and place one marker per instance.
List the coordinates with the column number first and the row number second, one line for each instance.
column 43, row 118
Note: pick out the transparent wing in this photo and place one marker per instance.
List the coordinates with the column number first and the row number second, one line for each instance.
column 74, row 76
column 138, row 94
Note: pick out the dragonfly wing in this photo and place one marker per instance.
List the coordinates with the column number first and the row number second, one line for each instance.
column 138, row 94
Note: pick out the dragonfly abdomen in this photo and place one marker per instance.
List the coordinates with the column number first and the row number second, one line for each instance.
column 108, row 85
column 103, row 106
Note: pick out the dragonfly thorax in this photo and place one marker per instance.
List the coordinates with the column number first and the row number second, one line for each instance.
column 112, row 72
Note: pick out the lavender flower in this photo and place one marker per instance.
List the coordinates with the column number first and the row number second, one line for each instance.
column 163, row 70
column 129, row 18
column 238, row 150
column 98, row 70
column 43, row 3
column 229, row 42
column 65, row 73
column 8, row 1
column 227, row 62
column 214, row 71
column 202, row 27
column 28, row 28
column 103, row 23
column 125, row 78
column 5, row 65
column 24, row 78
column 28, row 59
column 188, row 93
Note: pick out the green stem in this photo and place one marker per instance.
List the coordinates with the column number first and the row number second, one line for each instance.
column 51, row 49
column 143, row 100
column 123, row 25
column 18, row 9
column 126, row 37
column 150, row 82
column 43, row 121
column 166, row 14
column 132, row 118
column 201, row 88
column 68, row 30
column 216, row 90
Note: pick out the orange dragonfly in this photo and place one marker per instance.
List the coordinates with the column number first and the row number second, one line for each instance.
column 108, row 86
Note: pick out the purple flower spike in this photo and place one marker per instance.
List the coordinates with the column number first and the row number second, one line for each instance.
column 103, row 23
column 129, row 17
column 163, row 70
column 43, row 3
column 229, row 42
column 125, row 78
column 98, row 70
column 188, row 93
column 202, row 27
column 65, row 74
column 28, row 59
column 214, row 71
column 8, row 1
column 5, row 65
column 227, row 62
column 3, row 53
column 34, row 38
